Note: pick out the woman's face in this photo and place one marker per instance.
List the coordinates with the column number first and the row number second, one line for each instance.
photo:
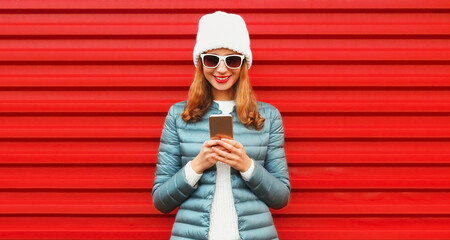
column 222, row 78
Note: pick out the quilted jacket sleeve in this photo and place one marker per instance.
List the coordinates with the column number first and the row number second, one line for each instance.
column 170, row 187
column 271, row 182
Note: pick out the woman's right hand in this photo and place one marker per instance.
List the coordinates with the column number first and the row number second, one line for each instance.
column 205, row 159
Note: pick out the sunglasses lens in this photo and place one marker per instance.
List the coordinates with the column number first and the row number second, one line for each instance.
column 233, row 61
column 210, row 60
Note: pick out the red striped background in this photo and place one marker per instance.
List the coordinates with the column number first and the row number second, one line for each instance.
column 363, row 87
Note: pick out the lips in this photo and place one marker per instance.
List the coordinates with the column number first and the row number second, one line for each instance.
column 222, row 79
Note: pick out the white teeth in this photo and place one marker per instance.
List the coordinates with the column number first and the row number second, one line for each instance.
column 222, row 78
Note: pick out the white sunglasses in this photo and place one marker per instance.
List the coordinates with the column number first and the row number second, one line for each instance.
column 231, row 61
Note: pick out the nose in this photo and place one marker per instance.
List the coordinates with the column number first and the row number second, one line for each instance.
column 222, row 67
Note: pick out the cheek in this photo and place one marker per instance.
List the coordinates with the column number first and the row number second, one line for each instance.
column 207, row 73
column 236, row 74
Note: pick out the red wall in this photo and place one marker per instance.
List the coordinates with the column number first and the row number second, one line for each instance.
column 363, row 86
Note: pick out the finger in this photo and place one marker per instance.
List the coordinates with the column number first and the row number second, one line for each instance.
column 227, row 146
column 222, row 159
column 213, row 159
column 234, row 143
column 219, row 147
column 210, row 155
column 210, row 143
column 221, row 153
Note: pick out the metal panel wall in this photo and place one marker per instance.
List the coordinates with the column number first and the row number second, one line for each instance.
column 363, row 86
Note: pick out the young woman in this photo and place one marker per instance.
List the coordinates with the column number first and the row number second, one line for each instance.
column 223, row 188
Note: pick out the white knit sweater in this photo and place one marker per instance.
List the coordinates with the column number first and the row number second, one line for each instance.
column 223, row 217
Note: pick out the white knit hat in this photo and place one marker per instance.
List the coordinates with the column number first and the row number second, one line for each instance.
column 222, row 30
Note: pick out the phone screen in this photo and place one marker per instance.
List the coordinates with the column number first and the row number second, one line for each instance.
column 221, row 126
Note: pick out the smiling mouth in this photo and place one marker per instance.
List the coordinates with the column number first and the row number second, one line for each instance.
column 222, row 79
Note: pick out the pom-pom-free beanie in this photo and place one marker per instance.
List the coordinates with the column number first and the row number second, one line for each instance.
column 222, row 30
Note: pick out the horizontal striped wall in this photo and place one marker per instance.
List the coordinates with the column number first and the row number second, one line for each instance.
column 363, row 87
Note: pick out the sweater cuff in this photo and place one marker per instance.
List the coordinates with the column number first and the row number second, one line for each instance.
column 248, row 174
column 191, row 176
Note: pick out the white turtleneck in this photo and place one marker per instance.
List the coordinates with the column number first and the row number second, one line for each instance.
column 223, row 216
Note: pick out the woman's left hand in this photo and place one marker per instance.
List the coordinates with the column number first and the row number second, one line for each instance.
column 233, row 155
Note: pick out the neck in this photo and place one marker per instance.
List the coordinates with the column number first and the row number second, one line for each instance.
column 222, row 95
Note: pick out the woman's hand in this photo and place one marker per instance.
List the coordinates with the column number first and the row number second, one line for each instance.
column 206, row 158
column 232, row 153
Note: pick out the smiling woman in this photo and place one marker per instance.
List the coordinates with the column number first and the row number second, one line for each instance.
column 223, row 188
column 220, row 76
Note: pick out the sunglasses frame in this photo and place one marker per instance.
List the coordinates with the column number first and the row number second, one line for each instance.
column 222, row 58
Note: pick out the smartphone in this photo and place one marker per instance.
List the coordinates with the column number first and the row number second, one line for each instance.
column 221, row 126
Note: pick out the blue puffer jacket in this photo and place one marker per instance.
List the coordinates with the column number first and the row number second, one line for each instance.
column 269, row 185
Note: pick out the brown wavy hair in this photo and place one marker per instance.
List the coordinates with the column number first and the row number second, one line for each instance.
column 200, row 99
